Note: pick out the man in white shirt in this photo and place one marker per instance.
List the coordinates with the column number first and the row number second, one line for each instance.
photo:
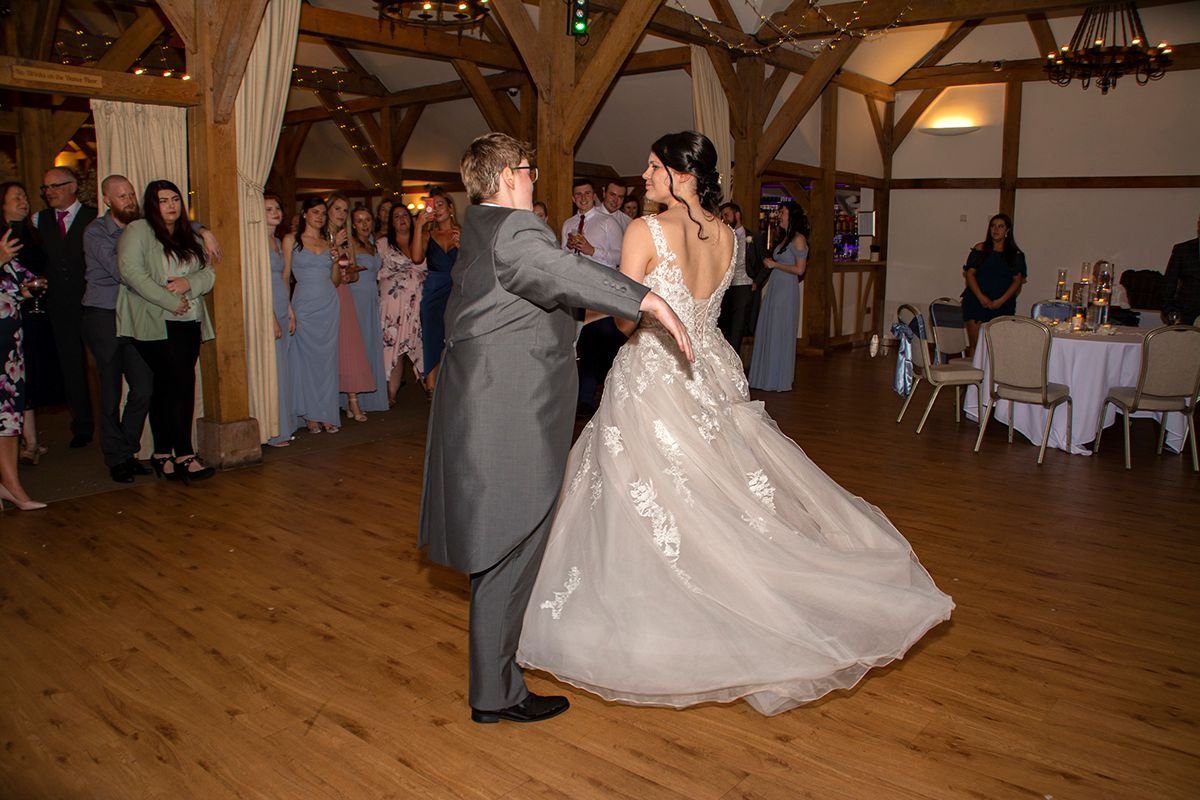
column 595, row 234
column 738, row 303
column 614, row 198
column 592, row 233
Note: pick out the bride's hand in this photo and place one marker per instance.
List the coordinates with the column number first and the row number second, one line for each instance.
column 658, row 308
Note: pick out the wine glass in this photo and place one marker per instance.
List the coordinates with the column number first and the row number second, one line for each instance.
column 37, row 289
column 1173, row 317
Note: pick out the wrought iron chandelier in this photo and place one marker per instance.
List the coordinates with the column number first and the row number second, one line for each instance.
column 434, row 13
column 1109, row 42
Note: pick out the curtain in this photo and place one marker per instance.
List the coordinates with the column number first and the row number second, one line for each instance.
column 144, row 143
column 710, row 112
column 260, row 106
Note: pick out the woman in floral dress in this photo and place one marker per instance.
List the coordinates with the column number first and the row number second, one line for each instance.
column 400, row 284
column 14, row 283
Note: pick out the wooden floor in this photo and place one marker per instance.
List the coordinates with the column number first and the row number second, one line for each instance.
column 274, row 634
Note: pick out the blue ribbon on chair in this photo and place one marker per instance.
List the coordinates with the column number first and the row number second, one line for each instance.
column 903, row 381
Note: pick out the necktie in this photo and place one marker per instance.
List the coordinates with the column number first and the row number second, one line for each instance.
column 580, row 231
column 62, row 222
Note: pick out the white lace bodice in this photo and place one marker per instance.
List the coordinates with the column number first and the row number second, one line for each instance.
column 666, row 279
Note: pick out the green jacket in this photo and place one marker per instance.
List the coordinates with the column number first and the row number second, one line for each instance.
column 144, row 305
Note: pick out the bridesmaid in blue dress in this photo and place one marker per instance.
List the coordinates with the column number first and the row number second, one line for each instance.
column 285, row 323
column 773, row 365
column 366, row 304
column 313, row 353
column 437, row 244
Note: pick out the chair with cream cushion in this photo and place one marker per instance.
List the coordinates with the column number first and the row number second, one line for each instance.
column 1169, row 382
column 1019, row 355
column 946, row 322
column 957, row 374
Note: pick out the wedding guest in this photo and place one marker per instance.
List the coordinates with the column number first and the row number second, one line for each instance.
column 160, row 304
column 382, row 214
column 612, row 202
column 400, row 284
column 1181, row 288
column 995, row 272
column 539, row 210
column 15, row 282
column 354, row 373
column 284, row 322
column 773, row 364
column 631, row 208
column 436, row 245
column 43, row 383
column 365, row 292
column 313, row 352
column 61, row 228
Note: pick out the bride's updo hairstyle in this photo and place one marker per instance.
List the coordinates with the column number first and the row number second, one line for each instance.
column 693, row 153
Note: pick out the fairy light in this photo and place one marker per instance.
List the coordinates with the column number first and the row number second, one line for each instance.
column 789, row 35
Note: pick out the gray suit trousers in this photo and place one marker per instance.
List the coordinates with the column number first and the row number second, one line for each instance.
column 498, row 599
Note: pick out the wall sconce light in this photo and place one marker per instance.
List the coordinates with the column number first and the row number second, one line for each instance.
column 950, row 126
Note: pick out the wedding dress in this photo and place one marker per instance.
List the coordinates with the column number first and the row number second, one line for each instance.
column 697, row 553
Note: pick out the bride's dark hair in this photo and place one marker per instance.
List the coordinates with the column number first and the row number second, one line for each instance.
column 693, row 153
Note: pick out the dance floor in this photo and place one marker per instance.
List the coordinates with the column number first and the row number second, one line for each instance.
column 273, row 633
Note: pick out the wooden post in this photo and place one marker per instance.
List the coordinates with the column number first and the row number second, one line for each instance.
column 226, row 435
column 818, row 280
column 1010, row 152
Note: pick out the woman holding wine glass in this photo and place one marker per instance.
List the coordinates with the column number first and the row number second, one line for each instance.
column 313, row 354
column 437, row 245
column 354, row 374
column 365, row 292
column 15, row 284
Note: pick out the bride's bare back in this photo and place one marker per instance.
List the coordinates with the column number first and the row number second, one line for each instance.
column 703, row 262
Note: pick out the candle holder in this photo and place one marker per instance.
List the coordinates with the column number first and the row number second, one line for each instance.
column 1060, row 286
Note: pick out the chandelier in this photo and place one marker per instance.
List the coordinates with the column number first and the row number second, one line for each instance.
column 434, row 13
column 1109, row 42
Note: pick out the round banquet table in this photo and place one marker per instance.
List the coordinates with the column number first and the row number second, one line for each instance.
column 1090, row 364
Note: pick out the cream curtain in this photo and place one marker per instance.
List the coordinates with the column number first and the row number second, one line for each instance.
column 710, row 112
column 260, row 106
column 144, row 143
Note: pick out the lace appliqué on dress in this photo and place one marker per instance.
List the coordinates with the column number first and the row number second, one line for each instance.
column 585, row 462
column 761, row 488
column 671, row 452
column 666, row 532
column 555, row 606
column 612, row 440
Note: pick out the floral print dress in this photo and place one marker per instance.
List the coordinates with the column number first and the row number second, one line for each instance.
column 400, row 285
column 12, row 378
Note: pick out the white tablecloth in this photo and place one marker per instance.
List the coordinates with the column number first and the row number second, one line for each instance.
column 1090, row 365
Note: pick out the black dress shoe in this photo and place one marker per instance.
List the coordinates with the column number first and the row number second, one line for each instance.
column 138, row 468
column 121, row 473
column 80, row 440
column 534, row 708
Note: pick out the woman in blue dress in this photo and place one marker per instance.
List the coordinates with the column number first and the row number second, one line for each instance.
column 773, row 364
column 313, row 353
column 437, row 244
column 284, row 324
column 365, row 292
column 995, row 272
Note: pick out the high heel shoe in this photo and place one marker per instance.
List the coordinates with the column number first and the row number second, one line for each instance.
column 158, row 463
column 188, row 475
column 27, row 505
column 354, row 411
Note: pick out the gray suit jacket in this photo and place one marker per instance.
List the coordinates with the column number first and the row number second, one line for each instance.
column 504, row 409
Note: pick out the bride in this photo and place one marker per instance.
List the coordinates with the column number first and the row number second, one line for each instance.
column 697, row 553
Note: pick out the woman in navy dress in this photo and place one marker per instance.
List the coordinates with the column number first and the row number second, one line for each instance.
column 773, row 364
column 365, row 292
column 284, row 324
column 14, row 287
column 313, row 353
column 437, row 244
column 995, row 272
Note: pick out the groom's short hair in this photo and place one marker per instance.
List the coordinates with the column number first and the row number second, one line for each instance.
column 486, row 158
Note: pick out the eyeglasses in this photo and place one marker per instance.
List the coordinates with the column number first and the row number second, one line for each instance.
column 48, row 186
column 533, row 172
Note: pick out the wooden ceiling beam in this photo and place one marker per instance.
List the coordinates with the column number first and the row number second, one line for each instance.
column 182, row 16
column 361, row 30
column 50, row 78
column 957, row 32
column 524, row 35
column 499, row 116
column 1042, row 34
column 907, row 122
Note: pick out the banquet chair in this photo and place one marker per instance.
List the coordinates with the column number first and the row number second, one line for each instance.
column 1019, row 355
column 949, row 335
column 1169, row 381
column 1052, row 309
column 958, row 375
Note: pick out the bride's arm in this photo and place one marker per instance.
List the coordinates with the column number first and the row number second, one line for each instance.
column 637, row 253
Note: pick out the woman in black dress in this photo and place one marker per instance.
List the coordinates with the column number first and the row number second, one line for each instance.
column 994, row 272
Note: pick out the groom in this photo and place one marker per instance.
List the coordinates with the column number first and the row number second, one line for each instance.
column 504, row 410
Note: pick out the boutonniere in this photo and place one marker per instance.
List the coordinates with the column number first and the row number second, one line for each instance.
column 749, row 238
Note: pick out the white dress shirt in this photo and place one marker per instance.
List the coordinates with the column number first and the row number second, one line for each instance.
column 617, row 215
column 740, row 278
column 601, row 231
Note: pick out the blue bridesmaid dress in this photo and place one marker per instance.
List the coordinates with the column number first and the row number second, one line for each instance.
column 365, row 292
column 313, row 355
column 434, row 298
column 279, row 305
column 773, row 364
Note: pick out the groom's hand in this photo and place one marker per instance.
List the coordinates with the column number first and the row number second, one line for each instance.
column 658, row 308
